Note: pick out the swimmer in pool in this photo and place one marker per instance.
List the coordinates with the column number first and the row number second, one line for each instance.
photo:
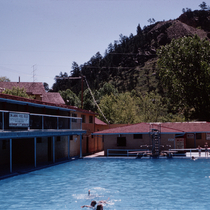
column 93, row 205
column 100, row 207
column 193, row 158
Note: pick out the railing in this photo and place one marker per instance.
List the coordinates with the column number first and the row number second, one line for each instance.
column 40, row 121
column 123, row 152
column 190, row 150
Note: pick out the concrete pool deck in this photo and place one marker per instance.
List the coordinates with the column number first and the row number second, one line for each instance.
column 97, row 154
column 188, row 155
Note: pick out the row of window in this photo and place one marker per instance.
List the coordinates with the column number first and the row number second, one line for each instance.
column 121, row 141
column 84, row 118
column 38, row 140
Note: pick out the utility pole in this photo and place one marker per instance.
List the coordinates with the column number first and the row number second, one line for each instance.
column 82, row 86
column 34, row 69
column 82, row 89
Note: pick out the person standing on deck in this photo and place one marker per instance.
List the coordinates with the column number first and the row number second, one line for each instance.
column 199, row 150
column 206, row 149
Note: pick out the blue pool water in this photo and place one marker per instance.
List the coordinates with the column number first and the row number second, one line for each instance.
column 130, row 184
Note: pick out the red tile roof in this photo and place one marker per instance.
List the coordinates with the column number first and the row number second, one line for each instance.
column 178, row 127
column 32, row 88
column 17, row 98
column 189, row 126
column 136, row 128
column 99, row 122
column 53, row 97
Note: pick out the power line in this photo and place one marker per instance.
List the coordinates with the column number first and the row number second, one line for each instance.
column 34, row 69
column 95, row 100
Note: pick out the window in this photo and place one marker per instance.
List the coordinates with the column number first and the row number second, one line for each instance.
column 83, row 118
column 90, row 119
column 4, row 143
column 137, row 136
column 74, row 115
column 39, row 140
column 198, row 136
column 121, row 141
column 58, row 138
column 71, row 137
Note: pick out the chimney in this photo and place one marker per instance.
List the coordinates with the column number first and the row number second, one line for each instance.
column 19, row 79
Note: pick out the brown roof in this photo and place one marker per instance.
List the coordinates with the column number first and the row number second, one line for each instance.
column 99, row 122
column 21, row 99
column 32, row 88
column 189, row 127
column 53, row 98
column 178, row 127
column 17, row 98
column 137, row 128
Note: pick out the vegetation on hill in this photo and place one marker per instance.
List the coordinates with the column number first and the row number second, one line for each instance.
column 184, row 69
column 16, row 91
column 4, row 79
column 134, row 82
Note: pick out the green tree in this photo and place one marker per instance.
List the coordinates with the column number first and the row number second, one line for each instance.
column 184, row 70
column 119, row 109
column 46, row 87
column 151, row 21
column 61, row 82
column 75, row 70
column 151, row 107
column 107, row 89
column 203, row 6
column 138, row 30
column 16, row 91
column 88, row 102
column 70, row 98
column 4, row 79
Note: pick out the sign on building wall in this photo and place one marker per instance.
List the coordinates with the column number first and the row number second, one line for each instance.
column 190, row 136
column 18, row 120
column 207, row 136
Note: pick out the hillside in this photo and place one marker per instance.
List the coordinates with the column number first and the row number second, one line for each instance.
column 130, row 63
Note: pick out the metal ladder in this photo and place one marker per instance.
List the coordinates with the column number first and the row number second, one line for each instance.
column 155, row 131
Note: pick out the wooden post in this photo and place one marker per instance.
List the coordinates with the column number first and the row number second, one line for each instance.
column 68, row 147
column 35, row 152
column 10, row 155
column 80, row 146
column 53, row 149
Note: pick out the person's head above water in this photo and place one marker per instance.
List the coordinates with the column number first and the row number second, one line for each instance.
column 100, row 207
column 93, row 203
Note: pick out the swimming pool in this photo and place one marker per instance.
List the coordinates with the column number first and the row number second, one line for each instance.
column 131, row 184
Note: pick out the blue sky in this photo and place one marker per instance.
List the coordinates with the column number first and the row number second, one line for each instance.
column 41, row 38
